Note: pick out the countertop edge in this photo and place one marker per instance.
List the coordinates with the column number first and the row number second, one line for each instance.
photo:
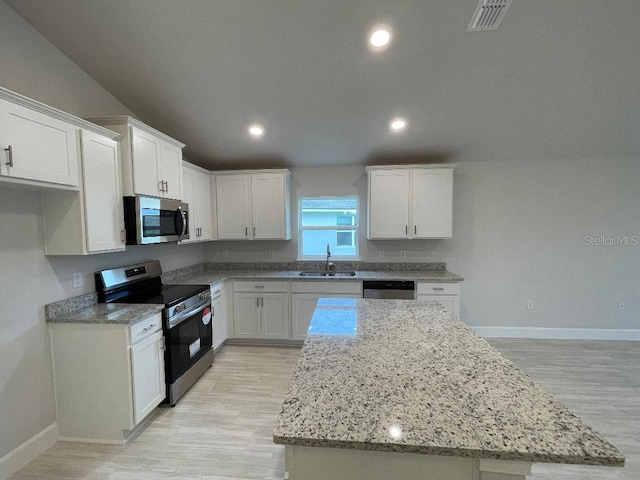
column 121, row 313
column 454, row 452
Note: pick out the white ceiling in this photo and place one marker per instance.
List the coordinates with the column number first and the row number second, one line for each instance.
column 557, row 79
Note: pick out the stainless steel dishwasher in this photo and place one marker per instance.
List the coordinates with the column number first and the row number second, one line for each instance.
column 392, row 289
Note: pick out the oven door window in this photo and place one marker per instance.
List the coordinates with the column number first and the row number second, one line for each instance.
column 187, row 343
column 160, row 223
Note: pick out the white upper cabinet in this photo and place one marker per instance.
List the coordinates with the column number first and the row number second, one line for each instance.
column 432, row 203
column 389, row 203
column 197, row 193
column 233, row 206
column 91, row 220
column 412, row 202
column 151, row 160
column 38, row 144
column 253, row 205
column 269, row 206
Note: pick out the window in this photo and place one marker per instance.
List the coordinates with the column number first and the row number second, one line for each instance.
column 329, row 221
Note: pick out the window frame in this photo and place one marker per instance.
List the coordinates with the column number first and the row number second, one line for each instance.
column 355, row 228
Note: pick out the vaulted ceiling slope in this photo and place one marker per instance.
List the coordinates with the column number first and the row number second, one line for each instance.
column 557, row 79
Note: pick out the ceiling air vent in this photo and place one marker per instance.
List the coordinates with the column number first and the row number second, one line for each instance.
column 488, row 15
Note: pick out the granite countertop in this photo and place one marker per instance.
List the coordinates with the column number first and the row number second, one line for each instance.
column 114, row 313
column 211, row 276
column 406, row 376
column 85, row 308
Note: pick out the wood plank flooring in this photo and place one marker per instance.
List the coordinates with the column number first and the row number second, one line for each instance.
column 221, row 430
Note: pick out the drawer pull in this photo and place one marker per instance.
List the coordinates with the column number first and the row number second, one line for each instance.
column 438, row 289
column 259, row 286
column 149, row 327
column 9, row 150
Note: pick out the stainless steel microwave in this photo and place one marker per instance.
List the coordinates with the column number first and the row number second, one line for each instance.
column 155, row 220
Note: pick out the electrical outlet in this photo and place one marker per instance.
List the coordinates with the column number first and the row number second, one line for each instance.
column 225, row 253
column 78, row 280
column 380, row 253
column 403, row 254
column 530, row 305
column 272, row 253
column 620, row 306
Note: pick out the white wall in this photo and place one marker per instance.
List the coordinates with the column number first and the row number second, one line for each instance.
column 519, row 229
column 33, row 67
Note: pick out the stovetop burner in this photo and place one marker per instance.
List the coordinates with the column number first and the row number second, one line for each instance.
column 171, row 295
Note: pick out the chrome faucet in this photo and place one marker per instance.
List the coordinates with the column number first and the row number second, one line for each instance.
column 326, row 266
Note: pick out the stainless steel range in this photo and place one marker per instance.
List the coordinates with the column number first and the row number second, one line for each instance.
column 186, row 319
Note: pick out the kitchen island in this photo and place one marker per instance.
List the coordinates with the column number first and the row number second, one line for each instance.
column 401, row 389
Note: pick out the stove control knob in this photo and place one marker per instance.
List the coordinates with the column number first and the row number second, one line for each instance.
column 179, row 308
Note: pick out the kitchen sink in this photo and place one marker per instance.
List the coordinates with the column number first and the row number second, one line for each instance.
column 312, row 274
column 327, row 274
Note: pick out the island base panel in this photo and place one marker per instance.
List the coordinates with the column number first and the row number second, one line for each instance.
column 317, row 463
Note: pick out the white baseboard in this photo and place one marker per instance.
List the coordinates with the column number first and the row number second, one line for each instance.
column 23, row 454
column 559, row 333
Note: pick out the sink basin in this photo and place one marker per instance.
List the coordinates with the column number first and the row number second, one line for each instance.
column 326, row 274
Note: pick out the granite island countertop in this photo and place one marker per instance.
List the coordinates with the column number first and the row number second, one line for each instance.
column 406, row 376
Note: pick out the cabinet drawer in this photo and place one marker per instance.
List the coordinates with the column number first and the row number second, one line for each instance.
column 438, row 288
column 145, row 327
column 327, row 287
column 253, row 286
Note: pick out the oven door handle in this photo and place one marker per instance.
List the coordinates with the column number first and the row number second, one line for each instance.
column 182, row 316
column 183, row 218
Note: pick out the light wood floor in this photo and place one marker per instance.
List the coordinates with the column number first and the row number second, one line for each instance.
column 221, row 430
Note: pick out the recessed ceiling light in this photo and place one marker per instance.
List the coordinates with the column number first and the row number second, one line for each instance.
column 397, row 124
column 256, row 130
column 380, row 37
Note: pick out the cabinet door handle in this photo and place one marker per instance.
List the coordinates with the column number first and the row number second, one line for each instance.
column 123, row 235
column 9, row 161
column 406, row 229
column 166, row 186
column 246, row 231
column 415, row 229
column 438, row 289
column 262, row 301
column 161, row 186
column 254, row 231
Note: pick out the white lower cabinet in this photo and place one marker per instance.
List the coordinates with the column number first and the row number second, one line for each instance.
column 108, row 378
column 219, row 314
column 446, row 294
column 304, row 298
column 261, row 310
